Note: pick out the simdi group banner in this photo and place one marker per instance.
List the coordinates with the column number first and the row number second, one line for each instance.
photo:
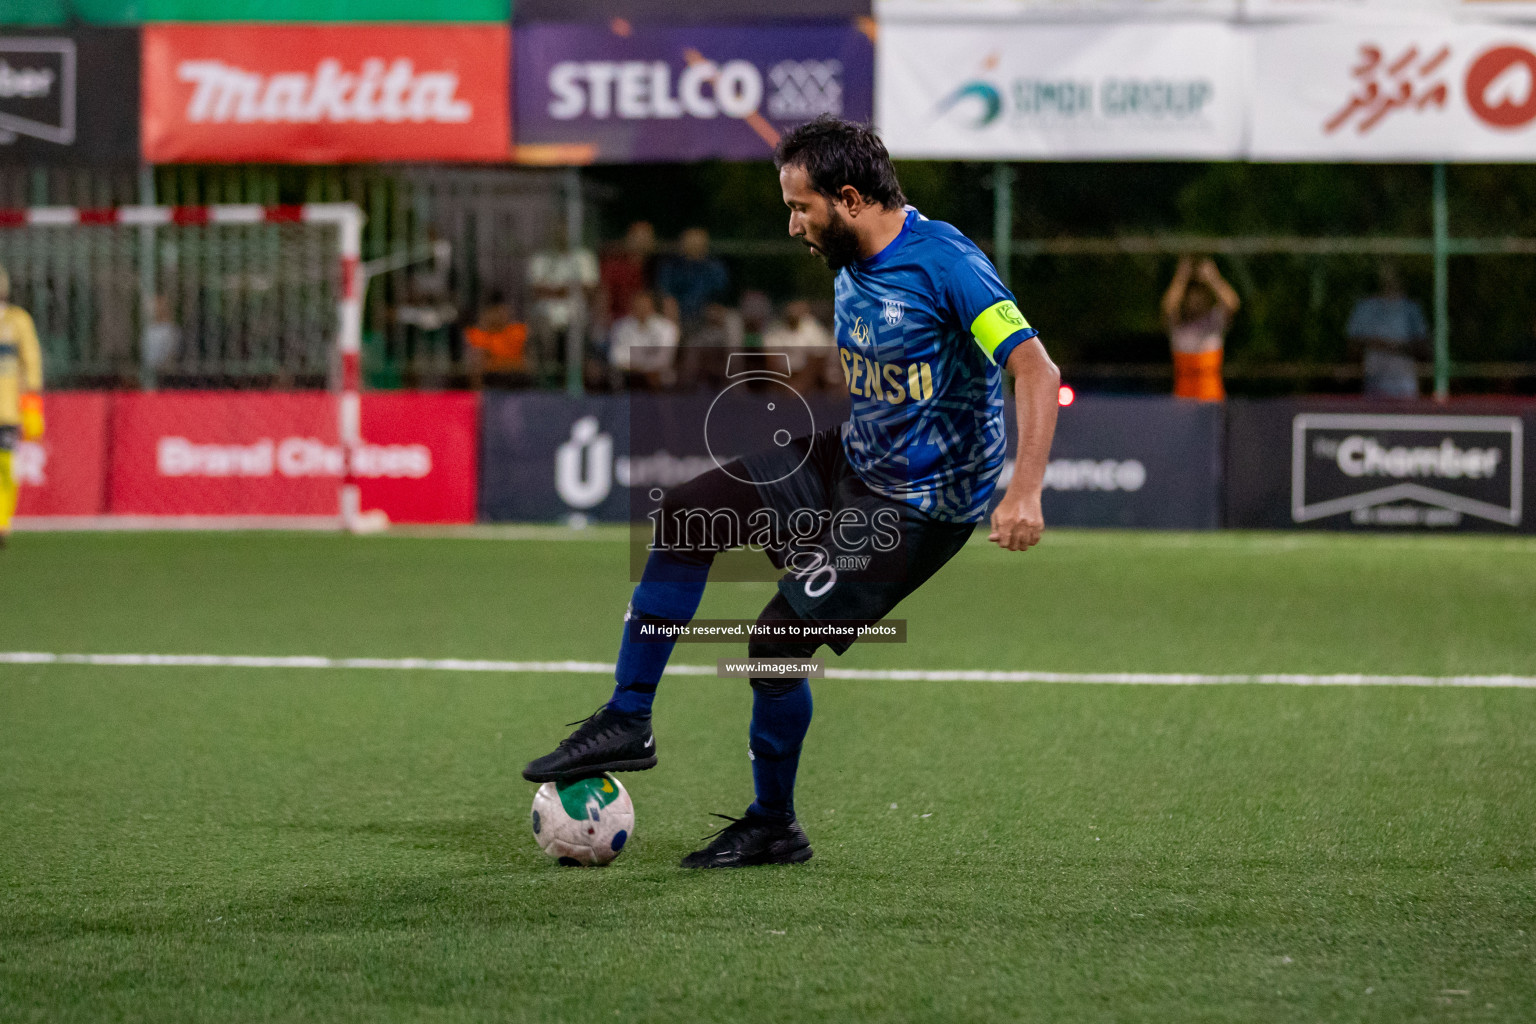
column 326, row 93
column 1039, row 91
column 619, row 92
column 1432, row 91
column 212, row 453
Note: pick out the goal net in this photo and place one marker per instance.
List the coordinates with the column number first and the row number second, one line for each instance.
column 237, row 307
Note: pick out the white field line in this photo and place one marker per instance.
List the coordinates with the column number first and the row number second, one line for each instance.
column 602, row 668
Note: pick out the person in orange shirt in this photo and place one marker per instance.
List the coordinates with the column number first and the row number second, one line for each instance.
column 496, row 344
column 1197, row 310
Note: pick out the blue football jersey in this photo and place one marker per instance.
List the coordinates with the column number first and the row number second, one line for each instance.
column 922, row 328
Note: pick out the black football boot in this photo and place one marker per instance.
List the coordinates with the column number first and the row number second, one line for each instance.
column 750, row 841
column 608, row 741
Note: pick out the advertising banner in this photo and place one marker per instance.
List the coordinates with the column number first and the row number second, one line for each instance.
column 325, row 93
column 69, row 96
column 1432, row 91
column 1412, row 466
column 620, row 92
column 1387, row 11
column 1128, row 462
column 279, row 11
column 1059, row 92
column 1064, row 10
column 212, row 453
column 683, row 12
column 65, row 474
column 1146, row 463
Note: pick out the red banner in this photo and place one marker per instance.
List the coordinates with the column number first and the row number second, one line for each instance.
column 65, row 474
column 326, row 93
column 276, row 454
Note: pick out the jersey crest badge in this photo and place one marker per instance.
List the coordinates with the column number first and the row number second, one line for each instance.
column 893, row 311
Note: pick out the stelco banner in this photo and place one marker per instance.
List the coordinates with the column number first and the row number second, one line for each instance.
column 1063, row 92
column 1116, row 462
column 1354, row 466
column 1434, row 91
column 326, row 94
column 621, row 92
column 70, row 96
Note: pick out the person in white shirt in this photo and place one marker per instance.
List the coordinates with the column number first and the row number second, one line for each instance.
column 563, row 279
column 643, row 345
column 808, row 344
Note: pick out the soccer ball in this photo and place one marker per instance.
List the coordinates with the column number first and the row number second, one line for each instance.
column 585, row 822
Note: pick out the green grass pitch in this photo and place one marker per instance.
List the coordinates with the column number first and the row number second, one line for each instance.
column 236, row 844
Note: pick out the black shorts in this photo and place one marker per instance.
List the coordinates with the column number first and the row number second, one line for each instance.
column 853, row 554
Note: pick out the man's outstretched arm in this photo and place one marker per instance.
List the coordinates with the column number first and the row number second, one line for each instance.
column 1017, row 521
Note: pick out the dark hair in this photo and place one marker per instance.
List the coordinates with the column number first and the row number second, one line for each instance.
column 835, row 153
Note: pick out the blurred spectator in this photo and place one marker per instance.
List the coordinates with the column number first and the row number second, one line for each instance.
column 706, row 349
column 756, row 317
column 625, row 272
column 495, row 346
column 159, row 344
column 643, row 345
column 1390, row 330
column 693, row 279
column 563, row 278
column 808, row 344
column 1197, row 310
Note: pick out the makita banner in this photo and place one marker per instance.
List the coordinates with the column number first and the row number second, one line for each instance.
column 212, row 453
column 1063, row 92
column 326, row 93
column 1356, row 465
column 1127, row 462
column 1431, row 91
column 69, row 96
column 633, row 92
column 65, row 474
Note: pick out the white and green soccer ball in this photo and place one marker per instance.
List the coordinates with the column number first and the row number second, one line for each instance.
column 586, row 822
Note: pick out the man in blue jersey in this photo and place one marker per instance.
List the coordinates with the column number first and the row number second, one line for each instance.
column 925, row 330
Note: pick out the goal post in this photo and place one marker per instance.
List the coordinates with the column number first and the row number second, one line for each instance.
column 223, row 295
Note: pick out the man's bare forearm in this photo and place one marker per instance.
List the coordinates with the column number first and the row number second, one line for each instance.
column 1036, row 390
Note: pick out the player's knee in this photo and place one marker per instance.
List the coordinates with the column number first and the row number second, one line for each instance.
column 779, row 650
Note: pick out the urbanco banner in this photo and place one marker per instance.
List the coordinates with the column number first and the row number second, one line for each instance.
column 326, row 93
column 1063, row 92
column 1436, row 90
column 620, row 92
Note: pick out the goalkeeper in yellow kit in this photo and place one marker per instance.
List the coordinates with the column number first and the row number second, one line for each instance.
column 21, row 401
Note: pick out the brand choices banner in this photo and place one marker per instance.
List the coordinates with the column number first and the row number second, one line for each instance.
column 325, row 93
column 622, row 92
column 65, row 474
column 275, row 454
column 69, row 96
column 1063, row 92
column 1353, row 466
column 1434, row 91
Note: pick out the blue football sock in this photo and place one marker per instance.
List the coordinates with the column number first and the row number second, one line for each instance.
column 779, row 724
column 669, row 590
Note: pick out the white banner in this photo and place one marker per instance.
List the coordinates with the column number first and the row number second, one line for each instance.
column 1065, row 10
column 1057, row 92
column 1440, row 91
column 1388, row 11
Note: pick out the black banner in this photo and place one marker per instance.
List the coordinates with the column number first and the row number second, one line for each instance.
column 1379, row 466
column 1120, row 462
column 69, row 96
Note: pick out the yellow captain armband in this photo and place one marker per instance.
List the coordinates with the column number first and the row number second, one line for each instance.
column 31, row 417
column 996, row 324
